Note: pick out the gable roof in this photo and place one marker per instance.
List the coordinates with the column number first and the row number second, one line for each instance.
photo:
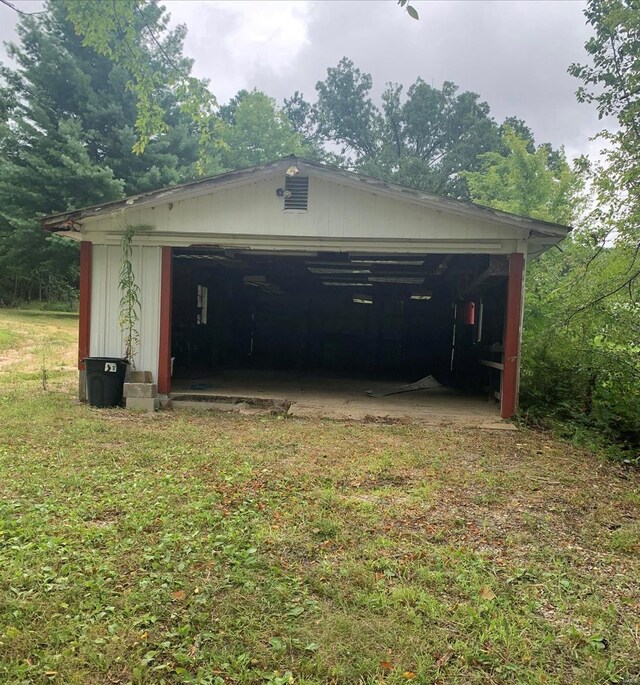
column 537, row 227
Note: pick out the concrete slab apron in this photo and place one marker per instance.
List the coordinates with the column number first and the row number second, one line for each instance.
column 347, row 400
column 398, row 407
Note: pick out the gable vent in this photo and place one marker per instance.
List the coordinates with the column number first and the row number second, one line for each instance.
column 298, row 186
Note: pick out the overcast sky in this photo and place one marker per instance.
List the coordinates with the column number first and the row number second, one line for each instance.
column 514, row 54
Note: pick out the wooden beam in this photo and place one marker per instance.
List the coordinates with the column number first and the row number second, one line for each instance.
column 84, row 318
column 498, row 266
column 166, row 288
column 512, row 335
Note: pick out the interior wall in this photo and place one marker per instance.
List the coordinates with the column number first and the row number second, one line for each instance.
column 329, row 332
column 321, row 329
column 481, row 340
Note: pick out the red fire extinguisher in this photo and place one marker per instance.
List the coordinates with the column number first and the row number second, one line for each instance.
column 469, row 313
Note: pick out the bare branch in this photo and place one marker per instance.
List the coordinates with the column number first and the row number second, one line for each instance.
column 21, row 12
column 604, row 296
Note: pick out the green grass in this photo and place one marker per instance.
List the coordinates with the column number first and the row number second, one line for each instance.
column 8, row 340
column 218, row 548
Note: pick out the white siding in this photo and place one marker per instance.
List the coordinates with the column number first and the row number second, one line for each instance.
column 106, row 338
column 229, row 214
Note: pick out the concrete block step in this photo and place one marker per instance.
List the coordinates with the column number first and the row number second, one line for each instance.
column 143, row 403
column 140, row 377
column 140, row 390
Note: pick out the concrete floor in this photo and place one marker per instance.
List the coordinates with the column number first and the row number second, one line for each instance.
column 338, row 397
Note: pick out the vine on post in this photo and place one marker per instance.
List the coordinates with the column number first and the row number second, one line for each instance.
column 129, row 297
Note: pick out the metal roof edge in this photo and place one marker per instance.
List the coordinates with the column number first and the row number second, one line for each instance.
column 442, row 202
column 165, row 194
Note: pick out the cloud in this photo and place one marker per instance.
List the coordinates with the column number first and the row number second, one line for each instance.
column 231, row 41
column 514, row 54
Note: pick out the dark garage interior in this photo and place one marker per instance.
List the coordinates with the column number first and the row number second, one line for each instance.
column 373, row 317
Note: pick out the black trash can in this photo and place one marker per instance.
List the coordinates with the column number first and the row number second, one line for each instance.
column 105, row 380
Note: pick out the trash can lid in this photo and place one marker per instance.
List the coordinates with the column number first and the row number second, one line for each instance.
column 106, row 359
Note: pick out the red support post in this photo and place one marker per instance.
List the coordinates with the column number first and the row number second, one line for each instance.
column 84, row 325
column 512, row 336
column 166, row 287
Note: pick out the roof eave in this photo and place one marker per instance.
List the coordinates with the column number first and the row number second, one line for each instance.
column 441, row 202
column 53, row 221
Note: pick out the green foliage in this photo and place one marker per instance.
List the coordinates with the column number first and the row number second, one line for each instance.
column 67, row 126
column 299, row 112
column 581, row 357
column 128, row 32
column 523, row 181
column 409, row 9
column 70, row 118
column 43, row 172
column 253, row 130
column 129, row 296
column 424, row 140
column 345, row 113
column 611, row 81
column 597, row 290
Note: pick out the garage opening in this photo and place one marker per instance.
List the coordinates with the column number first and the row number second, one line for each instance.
column 249, row 321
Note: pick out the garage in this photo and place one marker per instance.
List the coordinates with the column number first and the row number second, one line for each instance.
column 295, row 279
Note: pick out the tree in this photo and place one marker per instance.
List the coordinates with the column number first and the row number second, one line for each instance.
column 133, row 34
column 112, row 30
column 345, row 113
column 612, row 236
column 611, row 82
column 253, row 130
column 55, row 67
column 425, row 139
column 66, row 133
column 526, row 181
column 581, row 358
column 298, row 111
